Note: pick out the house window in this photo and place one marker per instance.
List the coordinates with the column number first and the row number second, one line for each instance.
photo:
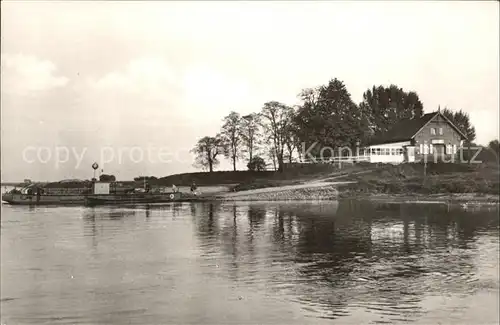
column 448, row 149
column 393, row 151
column 454, row 149
column 433, row 131
column 440, row 131
column 430, row 148
column 387, row 151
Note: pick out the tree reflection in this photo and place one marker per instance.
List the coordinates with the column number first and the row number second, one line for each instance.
column 90, row 226
column 111, row 213
column 333, row 254
column 256, row 216
column 94, row 216
column 205, row 218
column 232, row 248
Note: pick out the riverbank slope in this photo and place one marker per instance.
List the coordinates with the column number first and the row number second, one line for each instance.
column 405, row 182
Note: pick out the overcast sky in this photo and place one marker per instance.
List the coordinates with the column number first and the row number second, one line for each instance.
column 88, row 75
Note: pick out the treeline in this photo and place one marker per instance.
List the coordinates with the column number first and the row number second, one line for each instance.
column 326, row 117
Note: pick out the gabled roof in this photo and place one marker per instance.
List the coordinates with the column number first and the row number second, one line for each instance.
column 404, row 130
column 407, row 129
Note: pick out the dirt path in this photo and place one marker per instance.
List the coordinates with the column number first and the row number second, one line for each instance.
column 322, row 182
column 337, row 176
column 311, row 184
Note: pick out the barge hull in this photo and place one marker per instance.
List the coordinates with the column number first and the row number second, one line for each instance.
column 93, row 200
column 26, row 199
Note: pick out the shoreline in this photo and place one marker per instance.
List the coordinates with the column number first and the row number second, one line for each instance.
column 328, row 191
column 443, row 198
column 321, row 190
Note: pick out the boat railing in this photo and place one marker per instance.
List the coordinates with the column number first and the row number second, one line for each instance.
column 65, row 191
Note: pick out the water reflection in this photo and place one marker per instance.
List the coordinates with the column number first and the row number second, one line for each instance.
column 386, row 258
column 215, row 263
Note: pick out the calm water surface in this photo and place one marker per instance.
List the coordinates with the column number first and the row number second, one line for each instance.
column 249, row 263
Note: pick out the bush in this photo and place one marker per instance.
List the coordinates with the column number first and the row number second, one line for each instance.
column 107, row 178
column 257, row 164
column 364, row 164
column 485, row 154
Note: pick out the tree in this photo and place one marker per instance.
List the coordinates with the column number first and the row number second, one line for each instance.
column 256, row 164
column 329, row 118
column 207, row 149
column 309, row 96
column 276, row 120
column 494, row 146
column 462, row 121
column 231, row 135
column 304, row 120
column 291, row 139
column 345, row 123
column 145, row 178
column 386, row 106
column 107, row 178
column 271, row 154
column 250, row 133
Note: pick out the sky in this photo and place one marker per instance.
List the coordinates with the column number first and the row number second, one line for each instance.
column 134, row 85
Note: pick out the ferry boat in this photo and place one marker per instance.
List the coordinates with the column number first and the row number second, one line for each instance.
column 76, row 192
column 64, row 192
column 102, row 196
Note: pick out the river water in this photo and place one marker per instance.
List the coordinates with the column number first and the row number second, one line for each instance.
column 343, row 262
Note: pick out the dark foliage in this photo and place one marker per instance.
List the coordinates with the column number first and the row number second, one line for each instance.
column 257, row 164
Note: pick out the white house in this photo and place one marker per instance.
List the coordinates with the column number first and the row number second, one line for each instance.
column 411, row 140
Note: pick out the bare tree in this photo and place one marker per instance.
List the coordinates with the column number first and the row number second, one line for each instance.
column 207, row 149
column 271, row 154
column 250, row 133
column 291, row 139
column 277, row 118
column 231, row 134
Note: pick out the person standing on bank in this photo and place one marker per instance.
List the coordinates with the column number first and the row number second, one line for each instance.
column 193, row 188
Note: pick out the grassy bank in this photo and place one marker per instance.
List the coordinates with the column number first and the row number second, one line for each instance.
column 409, row 179
column 403, row 179
column 405, row 182
column 246, row 180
